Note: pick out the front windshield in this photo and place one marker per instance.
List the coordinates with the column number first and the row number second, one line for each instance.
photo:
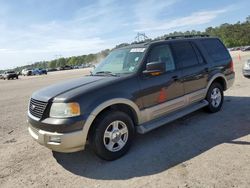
column 121, row 61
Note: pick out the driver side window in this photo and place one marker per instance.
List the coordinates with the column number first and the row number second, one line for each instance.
column 162, row 53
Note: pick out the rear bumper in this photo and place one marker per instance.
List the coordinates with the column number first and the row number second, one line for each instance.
column 230, row 80
column 230, row 83
column 60, row 142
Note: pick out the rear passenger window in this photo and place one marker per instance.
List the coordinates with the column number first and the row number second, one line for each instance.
column 215, row 49
column 162, row 53
column 184, row 54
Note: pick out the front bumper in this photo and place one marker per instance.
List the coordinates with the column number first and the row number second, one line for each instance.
column 61, row 135
column 65, row 142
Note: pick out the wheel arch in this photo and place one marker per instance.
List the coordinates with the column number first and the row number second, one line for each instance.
column 220, row 78
column 120, row 104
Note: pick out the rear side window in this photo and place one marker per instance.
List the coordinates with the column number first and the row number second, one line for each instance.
column 185, row 55
column 162, row 53
column 215, row 49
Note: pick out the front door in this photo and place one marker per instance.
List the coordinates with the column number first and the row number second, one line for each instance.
column 161, row 94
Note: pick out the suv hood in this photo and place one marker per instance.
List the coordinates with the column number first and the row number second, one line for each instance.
column 55, row 90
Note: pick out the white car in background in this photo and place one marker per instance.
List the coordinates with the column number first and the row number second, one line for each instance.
column 27, row 72
column 246, row 69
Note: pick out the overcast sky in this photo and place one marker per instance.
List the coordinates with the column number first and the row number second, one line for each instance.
column 35, row 30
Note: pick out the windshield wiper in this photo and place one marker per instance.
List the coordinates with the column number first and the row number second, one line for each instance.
column 105, row 73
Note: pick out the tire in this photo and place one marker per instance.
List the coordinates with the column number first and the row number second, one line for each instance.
column 215, row 98
column 110, row 125
column 17, row 77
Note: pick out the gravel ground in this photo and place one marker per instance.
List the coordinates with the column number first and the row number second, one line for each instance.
column 199, row 150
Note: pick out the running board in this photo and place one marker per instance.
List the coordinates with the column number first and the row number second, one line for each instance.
column 153, row 124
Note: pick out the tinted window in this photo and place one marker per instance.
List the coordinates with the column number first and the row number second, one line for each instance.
column 162, row 53
column 215, row 49
column 184, row 54
column 198, row 54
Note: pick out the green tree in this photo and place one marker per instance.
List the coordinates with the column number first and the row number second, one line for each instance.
column 72, row 61
column 61, row 62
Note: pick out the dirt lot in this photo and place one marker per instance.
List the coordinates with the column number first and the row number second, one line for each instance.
column 199, row 150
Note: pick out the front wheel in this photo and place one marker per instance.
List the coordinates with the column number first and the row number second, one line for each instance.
column 215, row 98
column 112, row 135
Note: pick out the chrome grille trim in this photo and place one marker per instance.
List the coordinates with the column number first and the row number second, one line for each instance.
column 37, row 108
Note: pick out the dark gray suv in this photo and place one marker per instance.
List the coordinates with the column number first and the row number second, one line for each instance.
column 135, row 89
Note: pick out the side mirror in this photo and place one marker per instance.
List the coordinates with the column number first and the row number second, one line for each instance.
column 155, row 68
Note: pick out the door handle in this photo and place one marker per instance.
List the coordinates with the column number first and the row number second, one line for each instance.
column 175, row 78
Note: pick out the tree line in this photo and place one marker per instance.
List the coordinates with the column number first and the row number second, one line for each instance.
column 70, row 61
column 233, row 35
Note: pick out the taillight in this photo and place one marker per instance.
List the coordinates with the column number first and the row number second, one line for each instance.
column 232, row 66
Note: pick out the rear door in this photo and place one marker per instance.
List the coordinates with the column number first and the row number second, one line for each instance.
column 194, row 69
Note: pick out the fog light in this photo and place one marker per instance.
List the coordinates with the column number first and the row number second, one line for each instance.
column 56, row 139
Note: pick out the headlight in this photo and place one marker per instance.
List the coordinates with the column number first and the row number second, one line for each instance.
column 64, row 110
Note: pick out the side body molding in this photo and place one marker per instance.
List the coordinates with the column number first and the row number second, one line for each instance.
column 141, row 115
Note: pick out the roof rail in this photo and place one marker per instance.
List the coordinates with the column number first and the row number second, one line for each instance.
column 185, row 36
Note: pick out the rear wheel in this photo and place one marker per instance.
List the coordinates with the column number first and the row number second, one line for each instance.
column 112, row 135
column 215, row 97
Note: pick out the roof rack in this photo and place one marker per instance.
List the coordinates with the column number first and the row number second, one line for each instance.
column 185, row 36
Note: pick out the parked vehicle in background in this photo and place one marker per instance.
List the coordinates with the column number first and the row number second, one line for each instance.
column 82, row 66
column 39, row 72
column 66, row 67
column 246, row 69
column 136, row 88
column 9, row 75
column 1, row 76
column 86, row 65
column 26, row 72
column 51, row 69
column 247, row 48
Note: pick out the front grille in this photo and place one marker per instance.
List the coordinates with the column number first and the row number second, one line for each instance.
column 37, row 108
